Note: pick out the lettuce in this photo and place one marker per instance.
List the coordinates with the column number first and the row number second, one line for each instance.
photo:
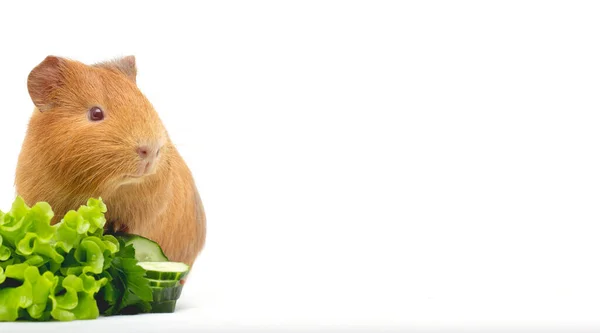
column 64, row 271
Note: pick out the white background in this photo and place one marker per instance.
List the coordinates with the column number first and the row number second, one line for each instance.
column 363, row 164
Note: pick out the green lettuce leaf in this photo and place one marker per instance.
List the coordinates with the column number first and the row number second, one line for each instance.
column 67, row 271
column 77, row 301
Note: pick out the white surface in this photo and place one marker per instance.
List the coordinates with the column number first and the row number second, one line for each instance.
column 394, row 165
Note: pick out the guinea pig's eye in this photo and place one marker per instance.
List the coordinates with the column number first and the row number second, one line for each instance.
column 96, row 114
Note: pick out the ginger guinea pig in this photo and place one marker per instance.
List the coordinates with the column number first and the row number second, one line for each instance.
column 94, row 134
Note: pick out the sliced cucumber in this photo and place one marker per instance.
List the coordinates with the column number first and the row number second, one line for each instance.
column 165, row 270
column 164, row 307
column 145, row 249
column 163, row 283
column 166, row 294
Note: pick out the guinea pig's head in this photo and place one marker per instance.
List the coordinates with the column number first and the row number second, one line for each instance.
column 93, row 126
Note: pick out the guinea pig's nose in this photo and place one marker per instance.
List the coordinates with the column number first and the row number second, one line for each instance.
column 148, row 151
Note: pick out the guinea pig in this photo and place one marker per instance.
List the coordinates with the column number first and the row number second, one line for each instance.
column 94, row 134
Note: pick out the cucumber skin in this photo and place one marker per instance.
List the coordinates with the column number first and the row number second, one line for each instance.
column 163, row 283
column 163, row 307
column 160, row 295
column 129, row 239
column 173, row 276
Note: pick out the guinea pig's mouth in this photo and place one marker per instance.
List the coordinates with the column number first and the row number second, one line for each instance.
column 139, row 176
column 144, row 169
column 127, row 179
column 133, row 176
column 130, row 179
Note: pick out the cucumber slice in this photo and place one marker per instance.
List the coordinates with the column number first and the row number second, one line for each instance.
column 163, row 283
column 164, row 307
column 145, row 249
column 165, row 270
column 166, row 294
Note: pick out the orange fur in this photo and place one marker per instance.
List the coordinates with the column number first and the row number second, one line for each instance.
column 66, row 159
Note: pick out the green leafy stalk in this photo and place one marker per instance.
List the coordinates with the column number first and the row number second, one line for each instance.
column 128, row 291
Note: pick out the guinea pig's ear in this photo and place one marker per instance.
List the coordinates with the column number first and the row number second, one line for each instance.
column 43, row 80
column 125, row 65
